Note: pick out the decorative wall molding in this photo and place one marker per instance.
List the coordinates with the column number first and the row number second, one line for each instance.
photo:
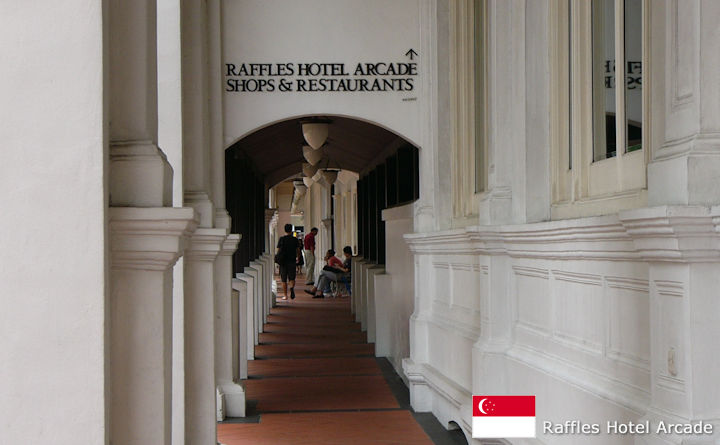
column 669, row 288
column 671, row 383
column 674, row 234
column 681, row 25
column 628, row 283
column 444, row 321
column 664, row 234
column 149, row 238
column 531, row 272
column 425, row 374
column 630, row 396
column 575, row 277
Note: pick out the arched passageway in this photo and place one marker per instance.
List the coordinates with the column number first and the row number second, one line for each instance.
column 378, row 170
column 316, row 359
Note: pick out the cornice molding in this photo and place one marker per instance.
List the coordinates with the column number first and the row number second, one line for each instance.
column 230, row 245
column 674, row 234
column 149, row 238
column 665, row 234
column 206, row 244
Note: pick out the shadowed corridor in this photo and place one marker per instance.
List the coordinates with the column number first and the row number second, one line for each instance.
column 315, row 380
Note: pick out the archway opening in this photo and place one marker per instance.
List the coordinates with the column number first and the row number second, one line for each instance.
column 378, row 169
column 266, row 188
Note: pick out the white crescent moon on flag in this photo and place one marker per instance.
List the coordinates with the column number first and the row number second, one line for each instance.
column 480, row 406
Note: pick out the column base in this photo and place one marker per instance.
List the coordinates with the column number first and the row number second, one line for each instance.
column 141, row 175
column 202, row 204
column 234, row 399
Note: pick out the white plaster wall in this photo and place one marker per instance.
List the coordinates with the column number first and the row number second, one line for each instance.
column 277, row 31
column 52, row 186
column 505, row 311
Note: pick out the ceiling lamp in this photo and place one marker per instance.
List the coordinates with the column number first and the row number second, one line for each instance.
column 330, row 176
column 300, row 188
column 315, row 133
column 309, row 170
column 308, row 181
column 313, row 156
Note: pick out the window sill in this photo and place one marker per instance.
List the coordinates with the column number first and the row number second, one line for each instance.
column 599, row 205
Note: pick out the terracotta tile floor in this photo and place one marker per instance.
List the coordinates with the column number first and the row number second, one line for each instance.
column 316, row 381
column 361, row 428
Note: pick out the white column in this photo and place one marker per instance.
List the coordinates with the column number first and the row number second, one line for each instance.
column 145, row 245
column 257, row 301
column 215, row 111
column 200, row 424
column 268, row 269
column 271, row 217
column 240, row 287
column 234, row 393
column 146, row 234
column 259, row 266
column 250, row 333
column 196, row 133
column 140, row 174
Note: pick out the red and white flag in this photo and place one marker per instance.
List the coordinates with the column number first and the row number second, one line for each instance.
column 503, row 416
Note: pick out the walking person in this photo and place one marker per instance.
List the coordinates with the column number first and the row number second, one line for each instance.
column 309, row 245
column 288, row 253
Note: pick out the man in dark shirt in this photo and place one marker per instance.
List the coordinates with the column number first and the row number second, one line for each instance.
column 288, row 252
column 310, row 256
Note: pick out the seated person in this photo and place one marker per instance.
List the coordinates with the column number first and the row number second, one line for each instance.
column 327, row 276
column 347, row 263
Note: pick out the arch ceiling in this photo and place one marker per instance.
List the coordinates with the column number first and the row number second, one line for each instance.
column 276, row 150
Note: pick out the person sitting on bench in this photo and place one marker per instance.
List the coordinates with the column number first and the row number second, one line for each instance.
column 331, row 272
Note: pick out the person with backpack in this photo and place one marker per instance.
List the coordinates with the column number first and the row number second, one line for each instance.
column 286, row 256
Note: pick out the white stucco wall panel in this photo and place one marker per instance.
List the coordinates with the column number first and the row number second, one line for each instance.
column 557, row 401
column 332, row 31
column 578, row 327
column 52, row 271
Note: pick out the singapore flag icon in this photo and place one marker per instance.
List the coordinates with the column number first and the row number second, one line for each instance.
column 503, row 416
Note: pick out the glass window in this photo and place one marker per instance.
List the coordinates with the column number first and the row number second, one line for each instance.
column 609, row 76
column 633, row 75
column 603, row 79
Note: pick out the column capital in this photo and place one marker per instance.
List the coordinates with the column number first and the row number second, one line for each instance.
column 229, row 246
column 149, row 238
column 206, row 244
column 683, row 234
column 270, row 214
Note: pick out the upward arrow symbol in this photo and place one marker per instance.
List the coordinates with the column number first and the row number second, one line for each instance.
column 411, row 53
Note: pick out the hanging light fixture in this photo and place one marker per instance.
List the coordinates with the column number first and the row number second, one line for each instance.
column 330, row 175
column 313, row 156
column 309, row 170
column 315, row 132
